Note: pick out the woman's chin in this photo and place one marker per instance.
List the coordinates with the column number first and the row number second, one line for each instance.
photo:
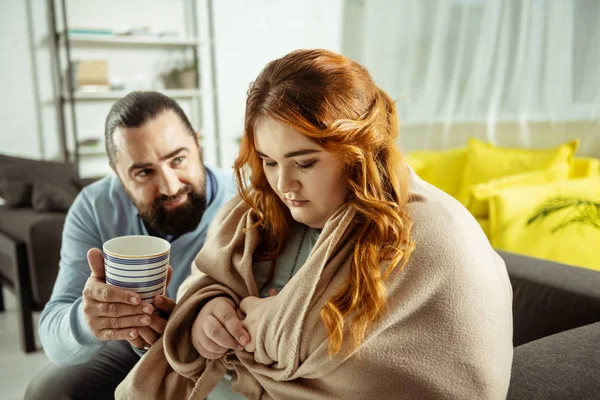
column 302, row 219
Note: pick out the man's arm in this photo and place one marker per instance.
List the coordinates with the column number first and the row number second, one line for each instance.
column 195, row 276
column 64, row 333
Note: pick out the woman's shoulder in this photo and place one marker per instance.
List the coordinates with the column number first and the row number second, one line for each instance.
column 447, row 237
column 438, row 217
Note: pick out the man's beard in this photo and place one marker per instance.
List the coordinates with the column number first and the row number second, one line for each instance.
column 176, row 221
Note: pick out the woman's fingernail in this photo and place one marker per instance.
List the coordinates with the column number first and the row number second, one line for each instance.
column 145, row 320
column 243, row 340
column 158, row 300
column 147, row 309
column 134, row 300
column 132, row 334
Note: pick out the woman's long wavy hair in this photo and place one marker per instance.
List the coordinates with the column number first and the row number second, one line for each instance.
column 333, row 101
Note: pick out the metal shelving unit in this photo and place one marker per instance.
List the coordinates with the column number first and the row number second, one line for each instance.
column 70, row 97
column 117, row 40
column 117, row 94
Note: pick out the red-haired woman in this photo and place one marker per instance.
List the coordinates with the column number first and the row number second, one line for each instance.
column 381, row 286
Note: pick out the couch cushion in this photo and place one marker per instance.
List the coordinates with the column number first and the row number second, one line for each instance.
column 486, row 161
column 19, row 178
column 47, row 196
column 442, row 168
column 531, row 221
column 479, row 195
column 585, row 167
column 561, row 366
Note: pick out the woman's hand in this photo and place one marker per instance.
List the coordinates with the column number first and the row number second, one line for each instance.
column 218, row 328
column 254, row 308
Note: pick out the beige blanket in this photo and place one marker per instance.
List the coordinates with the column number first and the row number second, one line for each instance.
column 447, row 332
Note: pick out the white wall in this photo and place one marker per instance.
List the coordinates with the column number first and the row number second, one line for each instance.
column 21, row 131
column 248, row 34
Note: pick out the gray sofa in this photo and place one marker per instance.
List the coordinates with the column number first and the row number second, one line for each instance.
column 556, row 319
column 37, row 195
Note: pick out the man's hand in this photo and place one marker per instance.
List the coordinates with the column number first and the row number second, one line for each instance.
column 113, row 313
column 218, row 328
column 254, row 309
column 158, row 321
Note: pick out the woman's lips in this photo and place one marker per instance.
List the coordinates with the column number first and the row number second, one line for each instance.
column 296, row 203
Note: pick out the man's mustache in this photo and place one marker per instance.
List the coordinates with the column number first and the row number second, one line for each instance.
column 163, row 198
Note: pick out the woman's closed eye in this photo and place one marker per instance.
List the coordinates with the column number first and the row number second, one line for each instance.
column 271, row 164
column 307, row 165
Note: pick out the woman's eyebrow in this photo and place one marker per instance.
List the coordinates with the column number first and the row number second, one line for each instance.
column 293, row 153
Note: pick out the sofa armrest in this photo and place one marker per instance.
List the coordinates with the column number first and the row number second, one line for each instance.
column 561, row 366
column 550, row 297
column 42, row 234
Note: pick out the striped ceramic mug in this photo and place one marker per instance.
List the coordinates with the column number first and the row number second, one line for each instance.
column 138, row 263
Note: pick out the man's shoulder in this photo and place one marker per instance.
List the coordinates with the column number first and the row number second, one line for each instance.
column 221, row 174
column 224, row 177
column 105, row 193
column 103, row 189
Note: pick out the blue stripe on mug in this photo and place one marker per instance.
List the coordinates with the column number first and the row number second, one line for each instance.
column 137, row 270
column 136, row 284
column 136, row 261
column 135, row 276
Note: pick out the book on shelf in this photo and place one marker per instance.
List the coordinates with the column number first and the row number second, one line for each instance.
column 90, row 75
column 90, row 31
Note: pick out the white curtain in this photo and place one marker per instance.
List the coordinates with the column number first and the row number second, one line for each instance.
column 515, row 72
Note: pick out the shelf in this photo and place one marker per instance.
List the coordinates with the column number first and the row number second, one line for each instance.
column 117, row 94
column 132, row 40
column 100, row 151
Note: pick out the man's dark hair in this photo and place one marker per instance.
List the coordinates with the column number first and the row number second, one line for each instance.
column 134, row 110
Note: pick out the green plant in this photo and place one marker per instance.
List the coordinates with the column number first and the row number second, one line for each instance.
column 579, row 211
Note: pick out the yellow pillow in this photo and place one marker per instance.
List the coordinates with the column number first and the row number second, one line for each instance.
column 485, row 226
column 486, row 162
column 575, row 244
column 584, row 167
column 441, row 168
column 415, row 163
column 479, row 195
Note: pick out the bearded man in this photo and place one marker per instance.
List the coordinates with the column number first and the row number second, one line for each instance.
column 95, row 333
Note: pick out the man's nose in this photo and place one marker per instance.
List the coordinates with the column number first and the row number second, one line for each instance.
column 169, row 183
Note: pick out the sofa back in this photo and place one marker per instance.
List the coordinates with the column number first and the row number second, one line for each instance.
column 549, row 297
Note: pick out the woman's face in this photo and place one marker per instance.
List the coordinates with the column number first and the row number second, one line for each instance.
column 308, row 179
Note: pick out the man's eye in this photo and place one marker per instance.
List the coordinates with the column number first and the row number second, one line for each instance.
column 144, row 173
column 178, row 160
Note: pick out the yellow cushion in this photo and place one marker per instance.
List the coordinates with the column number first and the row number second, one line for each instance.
column 441, row 168
column 486, row 162
column 575, row 244
column 479, row 195
column 417, row 164
column 485, row 226
column 585, row 167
